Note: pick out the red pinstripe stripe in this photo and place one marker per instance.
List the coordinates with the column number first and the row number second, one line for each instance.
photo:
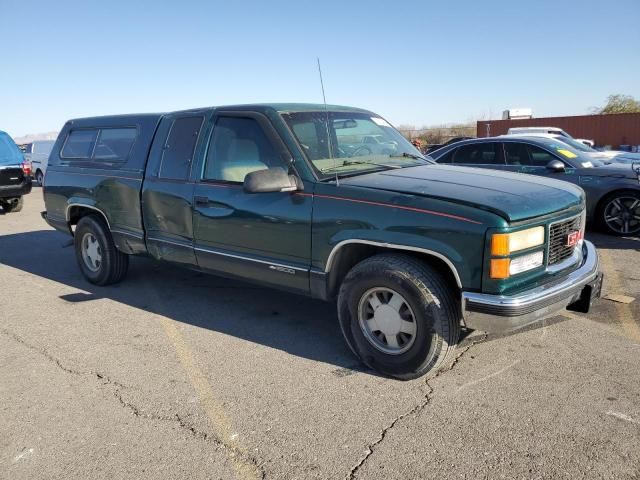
column 366, row 202
column 390, row 205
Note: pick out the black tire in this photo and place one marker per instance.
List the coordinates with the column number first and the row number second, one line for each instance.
column 113, row 264
column 39, row 177
column 14, row 205
column 433, row 304
column 626, row 197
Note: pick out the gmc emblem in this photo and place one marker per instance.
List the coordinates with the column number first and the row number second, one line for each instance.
column 573, row 238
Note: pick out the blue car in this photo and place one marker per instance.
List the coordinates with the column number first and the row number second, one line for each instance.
column 15, row 175
column 613, row 189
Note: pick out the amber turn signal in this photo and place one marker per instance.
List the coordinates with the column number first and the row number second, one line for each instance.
column 500, row 244
column 500, row 268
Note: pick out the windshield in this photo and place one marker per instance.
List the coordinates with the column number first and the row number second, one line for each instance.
column 10, row 154
column 567, row 152
column 351, row 142
column 577, row 145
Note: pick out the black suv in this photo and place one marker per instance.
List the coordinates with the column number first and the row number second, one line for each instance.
column 15, row 175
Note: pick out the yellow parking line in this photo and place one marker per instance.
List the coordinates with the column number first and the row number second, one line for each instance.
column 219, row 420
column 613, row 278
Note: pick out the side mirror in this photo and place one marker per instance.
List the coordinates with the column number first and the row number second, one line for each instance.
column 555, row 166
column 274, row 179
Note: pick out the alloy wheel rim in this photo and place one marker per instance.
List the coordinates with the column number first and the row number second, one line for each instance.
column 387, row 320
column 622, row 215
column 91, row 252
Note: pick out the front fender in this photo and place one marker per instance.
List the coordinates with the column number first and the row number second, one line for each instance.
column 413, row 243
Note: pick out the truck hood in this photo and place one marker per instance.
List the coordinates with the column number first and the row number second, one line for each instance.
column 513, row 196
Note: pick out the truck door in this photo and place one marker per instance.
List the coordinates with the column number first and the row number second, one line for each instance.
column 263, row 236
column 167, row 192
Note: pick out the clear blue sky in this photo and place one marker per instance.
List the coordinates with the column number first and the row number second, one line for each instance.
column 414, row 62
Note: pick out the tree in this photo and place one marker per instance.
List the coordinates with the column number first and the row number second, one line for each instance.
column 619, row 104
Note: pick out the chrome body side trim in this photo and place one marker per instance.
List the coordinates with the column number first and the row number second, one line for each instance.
column 130, row 234
column 177, row 244
column 393, row 246
column 250, row 259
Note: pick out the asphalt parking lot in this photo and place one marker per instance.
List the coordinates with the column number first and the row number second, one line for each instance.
column 175, row 374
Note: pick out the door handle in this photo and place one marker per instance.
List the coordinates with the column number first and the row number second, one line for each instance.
column 201, row 200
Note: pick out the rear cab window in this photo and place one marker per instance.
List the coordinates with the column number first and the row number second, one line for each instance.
column 79, row 144
column 99, row 146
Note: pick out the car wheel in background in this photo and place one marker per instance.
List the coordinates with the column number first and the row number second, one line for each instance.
column 39, row 178
column 99, row 260
column 619, row 213
column 13, row 205
column 399, row 315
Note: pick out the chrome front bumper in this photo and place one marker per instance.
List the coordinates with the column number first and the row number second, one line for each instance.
column 502, row 313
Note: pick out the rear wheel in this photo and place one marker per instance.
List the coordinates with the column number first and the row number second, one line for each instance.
column 39, row 178
column 619, row 213
column 399, row 315
column 13, row 205
column 99, row 260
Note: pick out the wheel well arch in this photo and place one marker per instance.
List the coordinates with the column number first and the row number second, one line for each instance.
column 345, row 255
column 75, row 211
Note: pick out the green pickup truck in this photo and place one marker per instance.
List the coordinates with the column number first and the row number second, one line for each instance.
column 292, row 196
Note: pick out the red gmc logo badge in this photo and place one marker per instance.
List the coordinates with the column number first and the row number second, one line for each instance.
column 573, row 238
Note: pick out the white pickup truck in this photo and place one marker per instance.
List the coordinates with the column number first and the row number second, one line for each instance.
column 550, row 130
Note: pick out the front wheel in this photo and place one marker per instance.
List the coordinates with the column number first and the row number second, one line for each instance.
column 99, row 260
column 399, row 315
column 619, row 213
column 40, row 178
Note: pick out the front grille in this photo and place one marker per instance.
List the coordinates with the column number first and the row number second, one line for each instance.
column 558, row 235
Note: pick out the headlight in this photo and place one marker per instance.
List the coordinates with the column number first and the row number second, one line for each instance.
column 504, row 244
column 502, row 268
column 507, row 243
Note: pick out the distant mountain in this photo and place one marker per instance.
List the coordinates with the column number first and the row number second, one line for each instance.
column 35, row 136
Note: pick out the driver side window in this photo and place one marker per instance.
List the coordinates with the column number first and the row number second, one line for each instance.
column 238, row 146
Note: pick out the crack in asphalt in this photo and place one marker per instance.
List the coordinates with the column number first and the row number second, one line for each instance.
column 414, row 411
column 235, row 454
column 105, row 379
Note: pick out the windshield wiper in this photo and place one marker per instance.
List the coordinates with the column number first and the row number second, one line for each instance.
column 408, row 155
column 346, row 163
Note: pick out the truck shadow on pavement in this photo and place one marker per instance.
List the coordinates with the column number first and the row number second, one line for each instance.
column 292, row 323
column 296, row 324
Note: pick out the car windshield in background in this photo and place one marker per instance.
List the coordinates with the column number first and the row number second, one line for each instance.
column 351, row 142
column 567, row 152
column 10, row 154
column 578, row 145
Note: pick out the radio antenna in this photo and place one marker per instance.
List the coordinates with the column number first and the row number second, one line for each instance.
column 326, row 111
